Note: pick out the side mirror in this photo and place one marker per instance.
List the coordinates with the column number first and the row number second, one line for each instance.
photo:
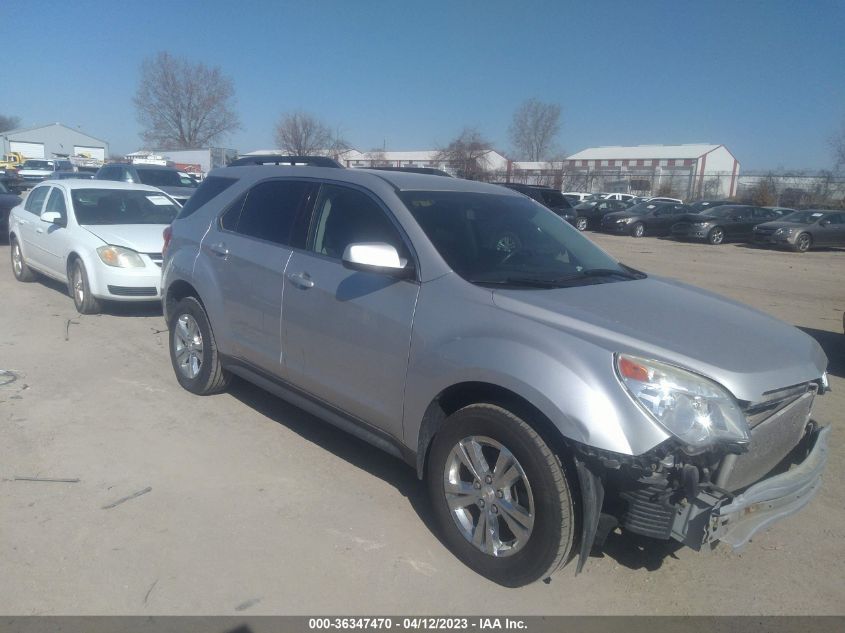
column 824, row 223
column 376, row 257
column 53, row 217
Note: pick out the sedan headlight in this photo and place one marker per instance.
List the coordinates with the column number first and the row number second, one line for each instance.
column 696, row 410
column 784, row 231
column 624, row 220
column 120, row 257
column 699, row 225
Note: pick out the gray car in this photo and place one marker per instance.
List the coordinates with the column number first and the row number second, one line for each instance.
column 545, row 392
column 165, row 178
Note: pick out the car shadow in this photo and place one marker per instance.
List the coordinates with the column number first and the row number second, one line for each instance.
column 356, row 452
column 833, row 344
column 635, row 551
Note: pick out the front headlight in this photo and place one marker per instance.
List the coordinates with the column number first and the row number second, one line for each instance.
column 120, row 257
column 696, row 410
column 699, row 225
column 784, row 231
column 625, row 221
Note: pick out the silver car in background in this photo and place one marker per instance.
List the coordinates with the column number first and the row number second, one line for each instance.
column 546, row 393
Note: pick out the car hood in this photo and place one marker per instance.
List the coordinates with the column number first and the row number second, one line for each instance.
column 144, row 238
column 747, row 351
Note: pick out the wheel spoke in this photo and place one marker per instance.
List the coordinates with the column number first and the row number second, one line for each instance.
column 479, row 534
column 460, row 494
column 507, row 479
column 518, row 519
column 473, row 454
column 182, row 331
column 182, row 355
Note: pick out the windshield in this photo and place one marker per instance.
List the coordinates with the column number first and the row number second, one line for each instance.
column 160, row 177
column 498, row 239
column 802, row 217
column 38, row 164
column 121, row 206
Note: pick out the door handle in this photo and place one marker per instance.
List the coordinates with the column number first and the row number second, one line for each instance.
column 39, row 230
column 219, row 249
column 301, row 280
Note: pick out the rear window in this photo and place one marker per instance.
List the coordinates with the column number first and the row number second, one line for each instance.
column 210, row 188
column 159, row 177
column 555, row 199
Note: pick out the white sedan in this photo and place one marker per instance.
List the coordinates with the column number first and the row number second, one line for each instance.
column 102, row 238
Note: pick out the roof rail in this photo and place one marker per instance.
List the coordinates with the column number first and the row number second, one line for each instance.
column 278, row 159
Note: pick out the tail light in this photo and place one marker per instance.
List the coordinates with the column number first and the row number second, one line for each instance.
column 166, row 234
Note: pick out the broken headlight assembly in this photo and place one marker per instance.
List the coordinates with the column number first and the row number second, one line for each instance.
column 699, row 412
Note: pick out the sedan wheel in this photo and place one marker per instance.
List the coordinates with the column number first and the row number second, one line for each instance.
column 639, row 230
column 188, row 346
column 581, row 224
column 803, row 243
column 21, row 271
column 500, row 495
column 80, row 290
column 716, row 235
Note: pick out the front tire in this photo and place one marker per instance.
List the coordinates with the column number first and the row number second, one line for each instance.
column 803, row 242
column 500, row 496
column 581, row 223
column 638, row 230
column 716, row 235
column 193, row 350
column 21, row 271
column 80, row 290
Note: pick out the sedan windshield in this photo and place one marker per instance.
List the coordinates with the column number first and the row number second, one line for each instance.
column 509, row 240
column 160, row 177
column 802, row 217
column 122, row 206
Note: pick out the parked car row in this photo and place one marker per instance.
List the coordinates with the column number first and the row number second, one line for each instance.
column 545, row 392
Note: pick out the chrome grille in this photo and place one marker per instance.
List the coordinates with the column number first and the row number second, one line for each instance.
column 155, row 257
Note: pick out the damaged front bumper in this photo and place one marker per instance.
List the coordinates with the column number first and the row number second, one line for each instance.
column 714, row 518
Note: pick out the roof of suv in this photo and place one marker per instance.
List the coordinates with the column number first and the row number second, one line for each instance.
column 401, row 180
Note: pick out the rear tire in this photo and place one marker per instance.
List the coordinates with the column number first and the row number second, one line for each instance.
column 193, row 350
column 716, row 235
column 80, row 290
column 21, row 271
column 803, row 242
column 507, row 514
column 638, row 230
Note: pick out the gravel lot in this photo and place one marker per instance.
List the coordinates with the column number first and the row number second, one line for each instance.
column 256, row 507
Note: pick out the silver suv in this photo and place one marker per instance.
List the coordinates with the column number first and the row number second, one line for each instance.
column 546, row 393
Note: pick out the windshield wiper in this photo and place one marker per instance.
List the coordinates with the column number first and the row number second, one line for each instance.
column 531, row 282
column 627, row 273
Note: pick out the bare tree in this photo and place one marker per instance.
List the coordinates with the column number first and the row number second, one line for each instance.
column 765, row 192
column 300, row 134
column 534, row 128
column 378, row 158
column 467, row 154
column 182, row 105
column 9, row 122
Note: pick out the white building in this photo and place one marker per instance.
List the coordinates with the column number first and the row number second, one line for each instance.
column 51, row 141
column 691, row 171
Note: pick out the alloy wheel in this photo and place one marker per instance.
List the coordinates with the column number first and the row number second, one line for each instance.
column 17, row 259
column 639, row 230
column 581, row 224
column 78, row 286
column 188, row 347
column 492, row 506
column 803, row 242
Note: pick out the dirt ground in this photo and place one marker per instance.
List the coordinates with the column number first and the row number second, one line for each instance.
column 255, row 507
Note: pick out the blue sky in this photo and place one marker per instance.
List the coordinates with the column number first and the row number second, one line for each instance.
column 767, row 79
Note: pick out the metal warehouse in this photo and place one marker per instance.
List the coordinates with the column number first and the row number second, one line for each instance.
column 50, row 141
column 694, row 170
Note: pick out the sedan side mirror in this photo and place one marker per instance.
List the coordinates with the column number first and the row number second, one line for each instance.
column 53, row 217
column 824, row 223
column 376, row 257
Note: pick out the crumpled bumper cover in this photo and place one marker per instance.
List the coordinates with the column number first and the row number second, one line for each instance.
column 712, row 517
column 771, row 499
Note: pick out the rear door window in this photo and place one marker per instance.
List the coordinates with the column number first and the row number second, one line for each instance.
column 271, row 210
